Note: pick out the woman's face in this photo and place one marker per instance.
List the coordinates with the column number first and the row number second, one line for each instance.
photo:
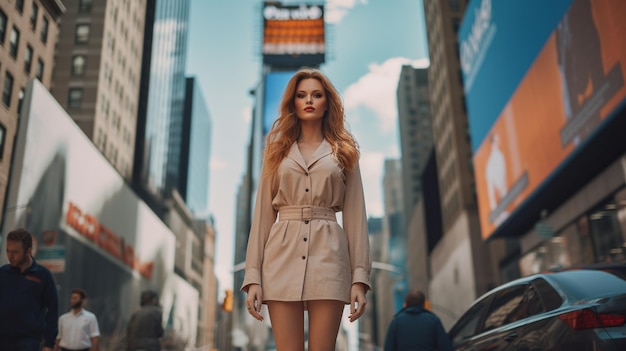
column 310, row 100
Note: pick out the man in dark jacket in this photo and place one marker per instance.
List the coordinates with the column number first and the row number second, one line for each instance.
column 414, row 328
column 29, row 309
column 145, row 326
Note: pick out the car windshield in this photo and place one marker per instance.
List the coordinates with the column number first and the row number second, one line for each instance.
column 582, row 284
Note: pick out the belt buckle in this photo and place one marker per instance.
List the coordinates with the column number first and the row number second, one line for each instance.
column 306, row 213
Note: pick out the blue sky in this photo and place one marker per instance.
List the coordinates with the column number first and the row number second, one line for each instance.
column 368, row 42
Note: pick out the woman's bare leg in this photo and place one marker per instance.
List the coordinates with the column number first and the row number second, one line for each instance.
column 324, row 322
column 287, row 320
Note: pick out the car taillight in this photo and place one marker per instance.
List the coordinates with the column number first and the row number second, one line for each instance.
column 587, row 319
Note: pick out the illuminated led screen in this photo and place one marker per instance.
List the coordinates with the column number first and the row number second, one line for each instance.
column 293, row 35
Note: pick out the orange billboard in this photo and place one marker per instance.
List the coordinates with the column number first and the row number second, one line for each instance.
column 575, row 85
column 293, row 35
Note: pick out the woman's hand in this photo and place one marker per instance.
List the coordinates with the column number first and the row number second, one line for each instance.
column 254, row 300
column 357, row 301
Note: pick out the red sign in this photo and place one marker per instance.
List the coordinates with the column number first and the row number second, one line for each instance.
column 89, row 227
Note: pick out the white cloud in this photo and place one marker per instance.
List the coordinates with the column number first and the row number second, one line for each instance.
column 376, row 90
column 372, row 164
column 335, row 10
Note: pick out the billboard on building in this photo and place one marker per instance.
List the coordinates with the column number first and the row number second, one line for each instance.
column 274, row 87
column 540, row 79
column 91, row 229
column 293, row 35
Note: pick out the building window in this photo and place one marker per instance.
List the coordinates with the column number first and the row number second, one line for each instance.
column 33, row 16
column 85, row 5
column 74, row 97
column 28, row 59
column 3, row 134
column 20, row 100
column 40, row 67
column 78, row 65
column 7, row 91
column 44, row 30
column 3, row 26
column 19, row 5
column 82, row 33
column 106, row 74
column 14, row 42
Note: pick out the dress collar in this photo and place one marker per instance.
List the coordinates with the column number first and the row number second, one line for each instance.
column 324, row 149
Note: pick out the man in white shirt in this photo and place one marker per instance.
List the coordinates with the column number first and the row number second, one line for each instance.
column 78, row 328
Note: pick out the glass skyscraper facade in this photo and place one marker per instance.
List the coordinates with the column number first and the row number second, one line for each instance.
column 160, row 147
column 193, row 175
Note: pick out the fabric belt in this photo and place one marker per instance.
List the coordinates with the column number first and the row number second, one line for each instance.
column 305, row 213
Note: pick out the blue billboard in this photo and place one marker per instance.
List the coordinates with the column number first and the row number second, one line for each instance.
column 275, row 84
column 498, row 41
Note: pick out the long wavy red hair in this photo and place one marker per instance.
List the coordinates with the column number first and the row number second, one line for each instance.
column 286, row 128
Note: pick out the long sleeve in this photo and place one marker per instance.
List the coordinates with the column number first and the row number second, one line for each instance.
column 263, row 218
column 51, row 302
column 355, row 226
column 442, row 341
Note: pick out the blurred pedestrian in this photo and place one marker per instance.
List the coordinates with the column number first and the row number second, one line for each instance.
column 299, row 257
column 78, row 328
column 145, row 326
column 28, row 298
column 414, row 328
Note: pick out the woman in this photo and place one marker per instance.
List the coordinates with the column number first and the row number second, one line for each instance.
column 299, row 258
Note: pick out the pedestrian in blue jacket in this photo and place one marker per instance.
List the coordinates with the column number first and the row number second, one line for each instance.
column 29, row 308
column 414, row 328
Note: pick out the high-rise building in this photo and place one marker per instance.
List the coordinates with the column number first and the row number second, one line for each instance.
column 207, row 311
column 28, row 34
column 394, row 228
column 460, row 268
column 238, row 325
column 424, row 227
column 194, row 260
column 416, row 142
column 193, row 173
column 160, row 119
column 97, row 73
column 372, row 327
column 416, row 139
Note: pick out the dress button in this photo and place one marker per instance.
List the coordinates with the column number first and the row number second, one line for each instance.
column 306, row 222
column 304, row 239
column 303, row 257
column 306, row 174
column 307, row 190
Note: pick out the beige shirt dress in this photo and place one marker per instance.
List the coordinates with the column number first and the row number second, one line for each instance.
column 296, row 249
